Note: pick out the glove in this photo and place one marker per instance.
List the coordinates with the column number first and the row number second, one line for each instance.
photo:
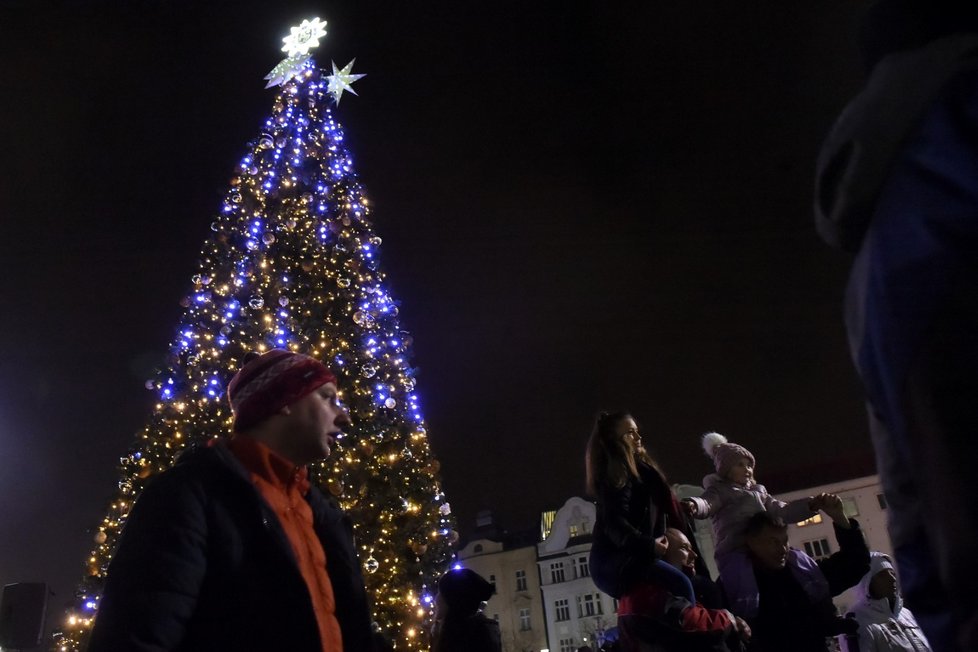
column 840, row 625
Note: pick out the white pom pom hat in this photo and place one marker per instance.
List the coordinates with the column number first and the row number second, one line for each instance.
column 724, row 453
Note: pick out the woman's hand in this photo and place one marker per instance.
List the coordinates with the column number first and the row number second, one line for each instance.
column 661, row 546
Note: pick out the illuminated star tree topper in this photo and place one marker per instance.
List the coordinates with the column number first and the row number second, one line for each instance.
column 340, row 81
column 305, row 37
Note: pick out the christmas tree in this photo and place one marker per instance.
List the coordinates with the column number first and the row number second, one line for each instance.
column 293, row 263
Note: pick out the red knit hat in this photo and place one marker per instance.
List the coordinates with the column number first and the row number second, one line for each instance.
column 271, row 381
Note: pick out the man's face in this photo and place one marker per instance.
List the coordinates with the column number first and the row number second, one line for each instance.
column 315, row 421
column 769, row 547
column 680, row 553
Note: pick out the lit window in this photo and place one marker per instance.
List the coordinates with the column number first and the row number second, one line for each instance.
column 567, row 645
column 810, row 521
column 818, row 549
column 573, row 531
column 546, row 523
column 524, row 620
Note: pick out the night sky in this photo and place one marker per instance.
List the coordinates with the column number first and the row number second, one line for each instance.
column 583, row 205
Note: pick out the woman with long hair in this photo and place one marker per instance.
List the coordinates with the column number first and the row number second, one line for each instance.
column 635, row 505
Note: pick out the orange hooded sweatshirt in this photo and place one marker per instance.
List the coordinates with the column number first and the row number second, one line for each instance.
column 283, row 485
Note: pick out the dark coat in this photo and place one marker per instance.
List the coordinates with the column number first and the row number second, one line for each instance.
column 899, row 175
column 627, row 523
column 203, row 565
column 651, row 619
column 473, row 633
column 787, row 618
column 858, row 157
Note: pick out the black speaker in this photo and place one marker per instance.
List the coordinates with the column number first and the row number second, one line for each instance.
column 22, row 615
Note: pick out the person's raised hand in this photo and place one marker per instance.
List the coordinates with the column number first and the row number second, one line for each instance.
column 661, row 546
column 833, row 507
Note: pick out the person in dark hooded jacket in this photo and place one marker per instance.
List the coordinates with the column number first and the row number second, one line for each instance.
column 460, row 625
column 795, row 613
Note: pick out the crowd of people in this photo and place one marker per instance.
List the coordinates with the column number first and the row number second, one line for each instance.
column 768, row 596
column 896, row 186
column 233, row 549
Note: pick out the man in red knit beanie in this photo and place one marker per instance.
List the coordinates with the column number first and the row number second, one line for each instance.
column 232, row 549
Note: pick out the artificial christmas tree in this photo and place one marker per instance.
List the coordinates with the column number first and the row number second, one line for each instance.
column 293, row 263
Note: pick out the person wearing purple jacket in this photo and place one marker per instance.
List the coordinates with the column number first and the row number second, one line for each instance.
column 731, row 498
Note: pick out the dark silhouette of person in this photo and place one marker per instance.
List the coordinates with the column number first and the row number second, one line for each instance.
column 897, row 184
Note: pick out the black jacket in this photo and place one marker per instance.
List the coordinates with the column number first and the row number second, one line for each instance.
column 203, row 565
column 473, row 633
column 787, row 618
column 627, row 523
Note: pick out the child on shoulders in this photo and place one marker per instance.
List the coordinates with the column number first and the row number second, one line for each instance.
column 730, row 498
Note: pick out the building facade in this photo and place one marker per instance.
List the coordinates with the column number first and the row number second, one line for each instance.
column 576, row 612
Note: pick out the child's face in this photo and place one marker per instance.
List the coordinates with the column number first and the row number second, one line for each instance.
column 741, row 472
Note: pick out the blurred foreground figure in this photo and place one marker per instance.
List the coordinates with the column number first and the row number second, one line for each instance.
column 897, row 184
